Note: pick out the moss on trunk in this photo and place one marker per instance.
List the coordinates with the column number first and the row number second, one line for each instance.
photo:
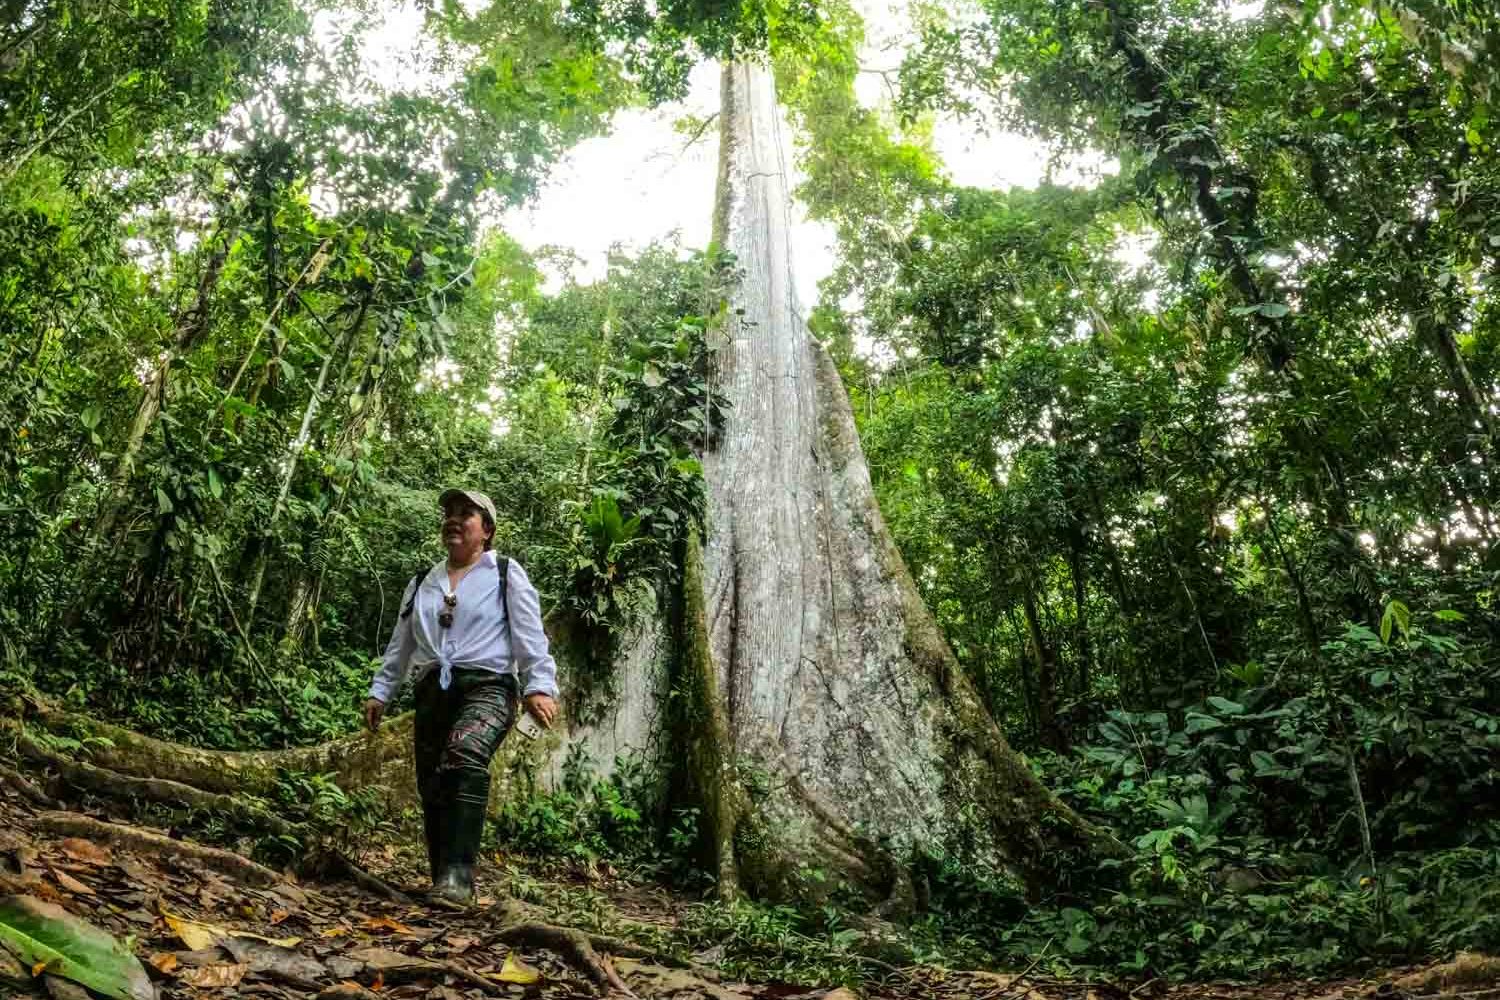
column 703, row 775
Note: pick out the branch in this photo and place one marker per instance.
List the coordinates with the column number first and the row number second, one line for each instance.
column 64, row 124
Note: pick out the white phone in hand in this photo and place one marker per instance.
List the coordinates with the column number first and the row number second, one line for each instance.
column 528, row 726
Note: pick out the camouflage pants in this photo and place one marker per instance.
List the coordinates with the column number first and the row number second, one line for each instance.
column 457, row 734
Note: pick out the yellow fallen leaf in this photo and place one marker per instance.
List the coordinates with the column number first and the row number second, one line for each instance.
column 379, row 983
column 163, row 961
column 336, row 932
column 278, row 916
column 39, row 968
column 386, row 924
column 193, row 934
column 198, row 936
column 516, row 971
column 284, row 942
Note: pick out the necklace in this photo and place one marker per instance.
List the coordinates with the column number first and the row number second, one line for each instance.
column 450, row 599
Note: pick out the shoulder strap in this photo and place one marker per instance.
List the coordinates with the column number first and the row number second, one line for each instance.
column 502, row 563
column 416, row 585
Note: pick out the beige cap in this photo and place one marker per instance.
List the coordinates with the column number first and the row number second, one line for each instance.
column 474, row 497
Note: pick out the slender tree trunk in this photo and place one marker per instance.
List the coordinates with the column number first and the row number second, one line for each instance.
column 1045, row 660
column 294, row 454
column 188, row 330
column 1078, row 570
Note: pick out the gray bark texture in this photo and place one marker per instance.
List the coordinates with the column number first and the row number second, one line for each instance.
column 837, row 687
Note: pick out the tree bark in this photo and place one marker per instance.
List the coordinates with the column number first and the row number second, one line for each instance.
column 840, row 696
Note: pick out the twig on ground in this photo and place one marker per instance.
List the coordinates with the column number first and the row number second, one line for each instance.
column 225, row 862
column 427, row 967
column 379, row 886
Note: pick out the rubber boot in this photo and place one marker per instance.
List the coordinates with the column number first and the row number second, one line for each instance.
column 464, row 819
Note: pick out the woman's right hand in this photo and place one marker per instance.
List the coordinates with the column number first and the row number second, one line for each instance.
column 374, row 710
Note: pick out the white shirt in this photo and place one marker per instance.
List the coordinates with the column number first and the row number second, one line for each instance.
column 480, row 638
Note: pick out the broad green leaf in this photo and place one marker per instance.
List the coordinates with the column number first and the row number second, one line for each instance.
column 1197, row 722
column 1226, row 706
column 1264, row 763
column 45, row 935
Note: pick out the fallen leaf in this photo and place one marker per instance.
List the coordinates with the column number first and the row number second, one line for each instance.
column 70, row 883
column 386, row 924
column 193, row 934
column 381, row 959
column 278, row 916
column 263, row 957
column 215, row 976
column 459, row 944
column 164, row 962
column 198, row 936
column 85, row 850
column 48, row 938
column 379, row 983
column 345, row 991
column 516, row 971
column 134, row 870
column 62, row 989
column 344, row 968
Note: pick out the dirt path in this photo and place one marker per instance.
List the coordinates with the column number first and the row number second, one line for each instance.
column 205, row 934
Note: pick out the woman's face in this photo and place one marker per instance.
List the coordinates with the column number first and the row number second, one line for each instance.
column 463, row 528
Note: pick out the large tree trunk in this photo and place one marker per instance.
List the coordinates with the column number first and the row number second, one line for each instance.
column 836, row 684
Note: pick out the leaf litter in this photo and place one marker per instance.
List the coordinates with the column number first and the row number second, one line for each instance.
column 204, row 936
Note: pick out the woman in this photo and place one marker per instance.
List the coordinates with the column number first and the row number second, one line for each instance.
column 469, row 625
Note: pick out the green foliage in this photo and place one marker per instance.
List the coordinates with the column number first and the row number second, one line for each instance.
column 588, row 818
column 1248, row 856
column 41, row 934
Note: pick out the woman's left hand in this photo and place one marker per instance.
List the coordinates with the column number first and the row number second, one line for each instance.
column 543, row 707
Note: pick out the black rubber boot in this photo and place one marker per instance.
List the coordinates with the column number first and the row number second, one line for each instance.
column 464, row 819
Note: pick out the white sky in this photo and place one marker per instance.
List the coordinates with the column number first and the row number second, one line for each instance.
column 639, row 183
column 643, row 181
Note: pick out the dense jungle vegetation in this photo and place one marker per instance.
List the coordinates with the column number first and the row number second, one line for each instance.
column 1192, row 462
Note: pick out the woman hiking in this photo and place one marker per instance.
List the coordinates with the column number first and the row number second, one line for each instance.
column 470, row 634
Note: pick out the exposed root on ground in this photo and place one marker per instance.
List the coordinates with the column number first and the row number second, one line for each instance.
column 353, row 760
column 113, row 784
column 579, row 948
column 67, row 824
column 27, row 789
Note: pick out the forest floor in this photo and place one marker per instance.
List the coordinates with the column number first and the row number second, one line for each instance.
column 203, row 934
